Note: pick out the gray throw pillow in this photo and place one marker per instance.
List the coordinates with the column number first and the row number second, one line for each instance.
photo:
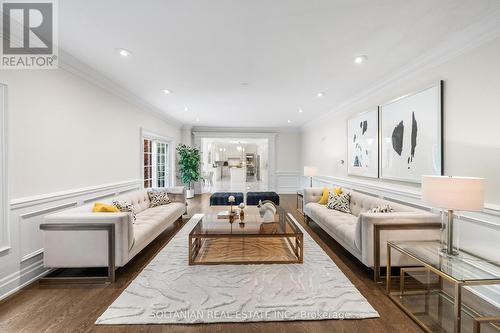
column 339, row 202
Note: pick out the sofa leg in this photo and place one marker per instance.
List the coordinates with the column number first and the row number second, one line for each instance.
column 306, row 219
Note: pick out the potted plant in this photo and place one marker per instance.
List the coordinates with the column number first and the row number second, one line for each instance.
column 189, row 167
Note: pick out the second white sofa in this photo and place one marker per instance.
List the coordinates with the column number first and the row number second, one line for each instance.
column 355, row 231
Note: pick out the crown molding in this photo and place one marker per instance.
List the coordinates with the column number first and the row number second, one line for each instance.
column 75, row 66
column 455, row 45
column 246, row 129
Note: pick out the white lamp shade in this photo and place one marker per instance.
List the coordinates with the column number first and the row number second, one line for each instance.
column 310, row 171
column 453, row 193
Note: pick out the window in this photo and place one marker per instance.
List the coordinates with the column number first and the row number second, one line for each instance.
column 156, row 163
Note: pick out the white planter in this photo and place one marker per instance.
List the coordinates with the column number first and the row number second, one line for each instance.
column 190, row 193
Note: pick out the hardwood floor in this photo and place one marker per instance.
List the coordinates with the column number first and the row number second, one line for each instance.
column 39, row 308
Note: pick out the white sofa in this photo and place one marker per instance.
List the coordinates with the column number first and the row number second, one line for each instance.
column 70, row 240
column 355, row 232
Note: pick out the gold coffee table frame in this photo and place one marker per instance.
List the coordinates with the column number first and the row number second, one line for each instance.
column 216, row 241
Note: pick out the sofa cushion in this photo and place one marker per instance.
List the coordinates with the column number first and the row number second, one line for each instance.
column 362, row 203
column 341, row 224
column 151, row 222
column 140, row 200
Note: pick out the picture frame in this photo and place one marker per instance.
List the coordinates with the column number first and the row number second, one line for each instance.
column 363, row 144
column 411, row 135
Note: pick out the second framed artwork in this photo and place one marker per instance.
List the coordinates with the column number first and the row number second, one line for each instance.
column 411, row 136
column 362, row 144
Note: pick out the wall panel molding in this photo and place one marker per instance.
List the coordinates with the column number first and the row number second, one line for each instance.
column 476, row 232
column 4, row 216
column 25, row 257
column 287, row 182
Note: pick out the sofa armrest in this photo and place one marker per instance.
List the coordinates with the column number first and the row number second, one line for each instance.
column 394, row 226
column 177, row 194
column 312, row 194
column 86, row 248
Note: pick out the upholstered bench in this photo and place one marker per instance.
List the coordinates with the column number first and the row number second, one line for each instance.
column 222, row 198
column 253, row 198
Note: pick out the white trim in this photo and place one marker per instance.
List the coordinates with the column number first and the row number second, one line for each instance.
column 31, row 273
column 408, row 195
column 271, row 141
column 287, row 182
column 73, row 65
column 49, row 197
column 171, row 144
column 4, row 206
column 454, row 46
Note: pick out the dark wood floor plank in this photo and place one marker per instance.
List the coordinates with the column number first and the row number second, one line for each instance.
column 75, row 308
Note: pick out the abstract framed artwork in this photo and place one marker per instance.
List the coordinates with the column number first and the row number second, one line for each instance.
column 411, row 136
column 363, row 144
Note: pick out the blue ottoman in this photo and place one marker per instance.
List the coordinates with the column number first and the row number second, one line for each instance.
column 254, row 197
column 221, row 198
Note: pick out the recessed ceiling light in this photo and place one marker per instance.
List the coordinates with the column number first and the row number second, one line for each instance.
column 166, row 91
column 320, row 94
column 359, row 59
column 186, row 109
column 124, row 53
column 300, row 110
column 289, row 121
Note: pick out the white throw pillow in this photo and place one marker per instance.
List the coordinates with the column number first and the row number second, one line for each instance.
column 382, row 209
column 126, row 207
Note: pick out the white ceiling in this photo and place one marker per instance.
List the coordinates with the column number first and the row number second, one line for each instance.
column 254, row 63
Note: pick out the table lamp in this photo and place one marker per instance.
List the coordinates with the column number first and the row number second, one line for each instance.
column 453, row 193
column 310, row 171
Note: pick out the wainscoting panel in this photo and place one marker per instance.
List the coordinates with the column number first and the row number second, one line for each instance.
column 475, row 232
column 24, row 263
column 287, row 182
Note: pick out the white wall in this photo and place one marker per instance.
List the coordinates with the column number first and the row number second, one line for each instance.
column 64, row 134
column 471, row 143
column 471, row 119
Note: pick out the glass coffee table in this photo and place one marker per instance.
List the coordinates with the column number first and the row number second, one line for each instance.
column 256, row 239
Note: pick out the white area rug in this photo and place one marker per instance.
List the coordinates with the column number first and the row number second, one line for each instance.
column 170, row 291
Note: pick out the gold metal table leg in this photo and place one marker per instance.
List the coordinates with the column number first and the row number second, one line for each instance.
column 388, row 267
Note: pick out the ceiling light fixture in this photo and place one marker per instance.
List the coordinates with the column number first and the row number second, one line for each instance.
column 359, row 59
column 300, row 110
column 320, row 94
column 124, row 53
column 166, row 91
column 186, row 108
column 197, row 119
column 289, row 121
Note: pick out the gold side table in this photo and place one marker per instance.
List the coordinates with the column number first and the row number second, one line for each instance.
column 460, row 271
column 300, row 202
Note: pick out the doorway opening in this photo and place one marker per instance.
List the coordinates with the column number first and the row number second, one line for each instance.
column 234, row 164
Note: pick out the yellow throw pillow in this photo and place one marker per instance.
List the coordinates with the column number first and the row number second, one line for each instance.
column 324, row 196
column 326, row 193
column 104, row 208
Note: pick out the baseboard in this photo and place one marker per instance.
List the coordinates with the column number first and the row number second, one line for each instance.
column 12, row 283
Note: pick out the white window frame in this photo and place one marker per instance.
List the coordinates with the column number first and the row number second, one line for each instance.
column 169, row 162
column 4, row 216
